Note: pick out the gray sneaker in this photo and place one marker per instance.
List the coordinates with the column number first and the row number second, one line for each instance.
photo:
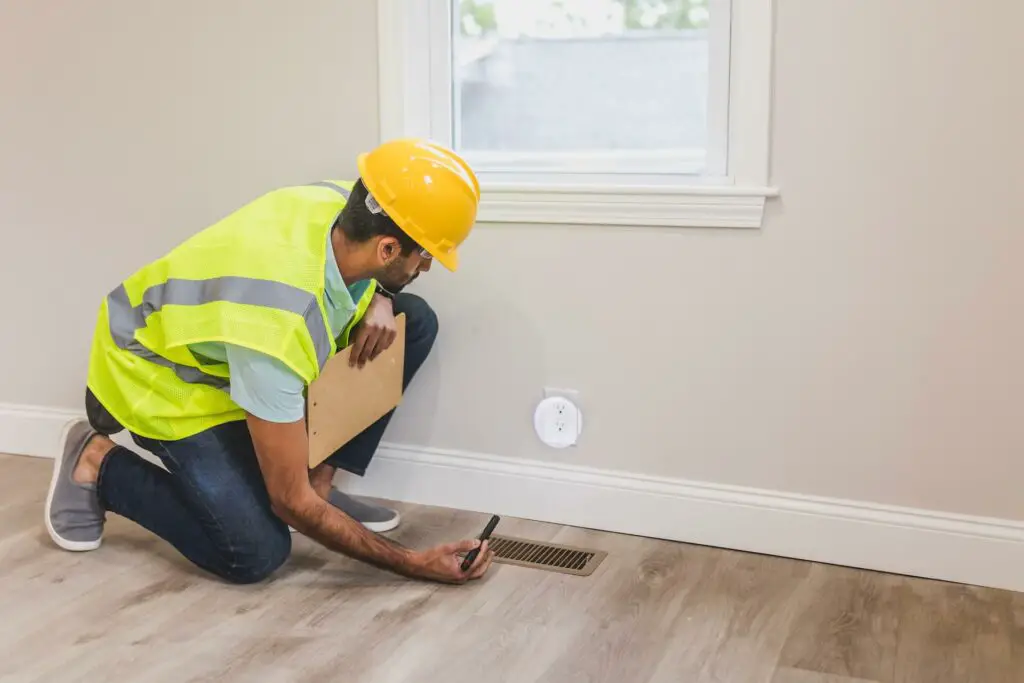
column 73, row 514
column 373, row 517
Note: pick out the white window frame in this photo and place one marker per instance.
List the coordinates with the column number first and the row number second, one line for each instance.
column 415, row 95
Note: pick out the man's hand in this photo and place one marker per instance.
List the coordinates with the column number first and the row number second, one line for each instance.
column 444, row 563
column 375, row 332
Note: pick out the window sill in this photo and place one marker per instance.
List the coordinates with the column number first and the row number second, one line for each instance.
column 717, row 206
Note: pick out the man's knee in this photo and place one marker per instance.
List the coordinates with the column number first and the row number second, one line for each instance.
column 99, row 417
column 421, row 323
column 256, row 560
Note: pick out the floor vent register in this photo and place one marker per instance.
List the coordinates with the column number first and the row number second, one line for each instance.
column 548, row 556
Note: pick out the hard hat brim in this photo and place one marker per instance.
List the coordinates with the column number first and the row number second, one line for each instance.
column 449, row 260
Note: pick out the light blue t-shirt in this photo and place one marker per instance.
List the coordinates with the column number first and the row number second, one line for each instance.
column 263, row 385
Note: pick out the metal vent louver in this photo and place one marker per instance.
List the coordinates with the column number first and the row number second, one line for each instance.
column 549, row 556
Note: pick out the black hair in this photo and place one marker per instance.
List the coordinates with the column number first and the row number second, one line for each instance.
column 359, row 224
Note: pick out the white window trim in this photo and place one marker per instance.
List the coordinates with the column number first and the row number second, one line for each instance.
column 408, row 100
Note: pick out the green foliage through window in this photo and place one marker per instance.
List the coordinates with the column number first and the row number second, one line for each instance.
column 665, row 14
column 478, row 17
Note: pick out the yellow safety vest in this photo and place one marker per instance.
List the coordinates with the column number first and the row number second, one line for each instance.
column 254, row 278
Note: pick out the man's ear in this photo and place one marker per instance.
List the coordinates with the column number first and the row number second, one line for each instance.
column 388, row 249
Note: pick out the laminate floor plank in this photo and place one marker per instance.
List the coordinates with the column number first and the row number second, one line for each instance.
column 849, row 627
column 735, row 620
column 801, row 676
column 956, row 634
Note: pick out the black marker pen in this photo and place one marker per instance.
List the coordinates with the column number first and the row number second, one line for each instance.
column 484, row 535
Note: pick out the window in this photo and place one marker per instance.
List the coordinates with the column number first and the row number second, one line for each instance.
column 627, row 112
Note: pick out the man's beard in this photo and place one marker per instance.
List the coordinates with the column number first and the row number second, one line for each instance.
column 393, row 277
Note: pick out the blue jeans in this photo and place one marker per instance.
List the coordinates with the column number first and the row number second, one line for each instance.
column 211, row 502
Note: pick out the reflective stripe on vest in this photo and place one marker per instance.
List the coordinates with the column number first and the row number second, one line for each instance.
column 337, row 188
column 126, row 319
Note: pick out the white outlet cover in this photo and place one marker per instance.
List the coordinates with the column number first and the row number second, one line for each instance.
column 558, row 422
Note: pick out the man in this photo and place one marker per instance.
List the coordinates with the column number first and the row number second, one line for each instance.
column 204, row 356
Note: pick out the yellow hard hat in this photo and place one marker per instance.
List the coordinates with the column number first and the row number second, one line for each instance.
column 429, row 191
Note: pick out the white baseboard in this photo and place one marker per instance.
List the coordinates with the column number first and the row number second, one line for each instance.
column 35, row 431
column 32, row 430
column 946, row 546
column 951, row 547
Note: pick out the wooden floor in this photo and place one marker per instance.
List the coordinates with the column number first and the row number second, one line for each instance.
column 654, row 611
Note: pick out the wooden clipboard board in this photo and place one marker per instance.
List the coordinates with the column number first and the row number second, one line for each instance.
column 344, row 400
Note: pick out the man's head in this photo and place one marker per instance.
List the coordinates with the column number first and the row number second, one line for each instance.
column 394, row 258
column 415, row 203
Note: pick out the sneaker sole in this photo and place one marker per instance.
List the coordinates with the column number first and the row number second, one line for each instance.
column 58, row 461
column 379, row 527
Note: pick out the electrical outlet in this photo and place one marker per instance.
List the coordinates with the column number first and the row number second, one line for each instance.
column 558, row 419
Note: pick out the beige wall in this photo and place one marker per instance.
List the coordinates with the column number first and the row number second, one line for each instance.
column 865, row 344
column 126, row 125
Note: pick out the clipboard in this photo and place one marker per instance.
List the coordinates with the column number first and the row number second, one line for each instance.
column 343, row 401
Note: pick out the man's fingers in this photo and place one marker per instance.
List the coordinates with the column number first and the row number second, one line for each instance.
column 379, row 345
column 358, row 344
column 486, row 565
column 389, row 338
column 481, row 558
column 482, row 564
column 461, row 546
column 384, row 342
column 372, row 338
column 364, row 352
